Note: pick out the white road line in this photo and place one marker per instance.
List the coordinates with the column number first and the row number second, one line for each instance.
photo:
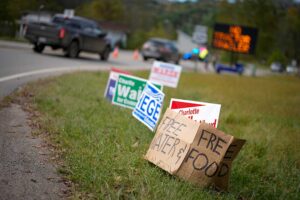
column 16, row 76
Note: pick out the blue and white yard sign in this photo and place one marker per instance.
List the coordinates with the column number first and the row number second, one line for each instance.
column 148, row 108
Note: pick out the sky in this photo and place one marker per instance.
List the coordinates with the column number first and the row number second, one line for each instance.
column 182, row 0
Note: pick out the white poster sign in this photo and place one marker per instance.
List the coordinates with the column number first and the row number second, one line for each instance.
column 166, row 74
column 198, row 111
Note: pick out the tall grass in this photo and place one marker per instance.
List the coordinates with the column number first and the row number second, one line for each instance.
column 104, row 145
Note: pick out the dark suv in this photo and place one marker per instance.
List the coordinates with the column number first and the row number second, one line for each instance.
column 160, row 49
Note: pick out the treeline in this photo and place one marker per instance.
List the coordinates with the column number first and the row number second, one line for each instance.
column 151, row 18
column 278, row 21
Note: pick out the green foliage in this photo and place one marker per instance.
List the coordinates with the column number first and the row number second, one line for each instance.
column 277, row 56
column 13, row 9
column 16, row 7
column 104, row 145
column 160, row 31
column 278, row 21
column 137, row 38
column 4, row 15
column 103, row 10
column 278, row 24
column 288, row 37
column 8, row 29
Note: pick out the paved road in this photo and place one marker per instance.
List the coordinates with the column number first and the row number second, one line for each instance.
column 17, row 58
column 19, row 64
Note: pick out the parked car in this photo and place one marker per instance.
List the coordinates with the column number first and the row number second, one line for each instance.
column 291, row 69
column 73, row 35
column 160, row 49
column 277, row 67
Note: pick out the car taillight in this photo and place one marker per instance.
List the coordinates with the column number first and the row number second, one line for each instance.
column 62, row 33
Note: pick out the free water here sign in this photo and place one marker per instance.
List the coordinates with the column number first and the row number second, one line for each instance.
column 148, row 108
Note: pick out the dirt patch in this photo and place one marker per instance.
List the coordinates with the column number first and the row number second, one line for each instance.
column 26, row 172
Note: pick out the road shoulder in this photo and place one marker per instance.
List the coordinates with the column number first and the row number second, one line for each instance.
column 26, row 172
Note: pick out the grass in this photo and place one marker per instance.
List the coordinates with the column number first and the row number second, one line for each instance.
column 104, row 145
column 13, row 39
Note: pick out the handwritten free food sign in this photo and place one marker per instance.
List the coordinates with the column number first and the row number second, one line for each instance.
column 129, row 90
column 166, row 74
column 149, row 106
column 193, row 151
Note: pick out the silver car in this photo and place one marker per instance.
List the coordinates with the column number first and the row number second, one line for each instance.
column 160, row 49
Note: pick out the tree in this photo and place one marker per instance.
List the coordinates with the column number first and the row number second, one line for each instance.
column 288, row 36
column 4, row 15
column 103, row 10
column 15, row 8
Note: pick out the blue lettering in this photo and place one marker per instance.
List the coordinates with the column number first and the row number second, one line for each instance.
column 140, row 101
column 145, row 102
column 155, row 115
column 151, row 107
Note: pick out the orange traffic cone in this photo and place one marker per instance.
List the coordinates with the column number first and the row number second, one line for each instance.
column 115, row 53
column 136, row 55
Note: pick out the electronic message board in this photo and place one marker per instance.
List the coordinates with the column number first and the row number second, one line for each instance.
column 235, row 38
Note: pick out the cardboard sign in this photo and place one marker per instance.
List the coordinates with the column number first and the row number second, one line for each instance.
column 111, row 83
column 129, row 90
column 165, row 73
column 198, row 111
column 196, row 152
column 148, row 108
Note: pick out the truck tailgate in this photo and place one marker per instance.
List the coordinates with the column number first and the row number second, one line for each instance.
column 45, row 33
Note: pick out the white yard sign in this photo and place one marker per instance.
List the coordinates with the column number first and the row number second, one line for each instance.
column 200, row 34
column 198, row 111
column 166, row 74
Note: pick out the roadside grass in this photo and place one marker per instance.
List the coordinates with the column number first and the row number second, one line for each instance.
column 13, row 39
column 104, row 145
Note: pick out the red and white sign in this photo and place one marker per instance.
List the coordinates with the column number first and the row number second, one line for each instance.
column 198, row 111
column 166, row 74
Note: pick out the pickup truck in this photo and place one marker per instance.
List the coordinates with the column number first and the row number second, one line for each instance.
column 73, row 35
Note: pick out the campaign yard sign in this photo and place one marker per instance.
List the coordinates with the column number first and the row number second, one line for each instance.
column 166, row 74
column 111, row 82
column 193, row 151
column 148, row 108
column 129, row 90
column 198, row 111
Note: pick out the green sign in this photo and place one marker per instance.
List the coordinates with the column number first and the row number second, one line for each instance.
column 129, row 90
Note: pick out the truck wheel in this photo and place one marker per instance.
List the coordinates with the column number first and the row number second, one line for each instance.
column 73, row 50
column 105, row 54
column 38, row 48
